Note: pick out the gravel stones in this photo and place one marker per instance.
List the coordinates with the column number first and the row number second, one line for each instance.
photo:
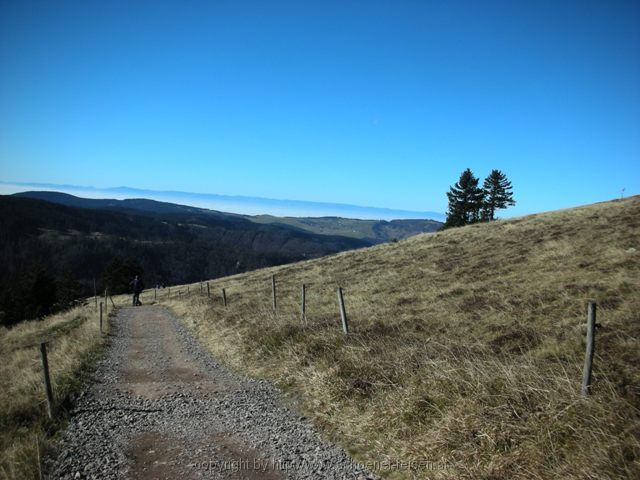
column 161, row 407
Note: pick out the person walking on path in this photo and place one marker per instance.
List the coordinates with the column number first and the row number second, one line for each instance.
column 137, row 287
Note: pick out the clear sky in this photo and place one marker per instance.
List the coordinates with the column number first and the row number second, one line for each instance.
column 379, row 103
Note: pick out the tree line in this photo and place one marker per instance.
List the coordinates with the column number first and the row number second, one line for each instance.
column 469, row 203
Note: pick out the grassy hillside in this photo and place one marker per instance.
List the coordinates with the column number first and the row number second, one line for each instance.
column 467, row 345
column 73, row 343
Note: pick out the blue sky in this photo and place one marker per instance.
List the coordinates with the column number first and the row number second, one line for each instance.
column 375, row 103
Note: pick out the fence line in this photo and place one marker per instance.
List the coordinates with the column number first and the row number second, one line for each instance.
column 590, row 349
column 303, row 306
column 590, row 340
column 47, row 379
column 343, row 313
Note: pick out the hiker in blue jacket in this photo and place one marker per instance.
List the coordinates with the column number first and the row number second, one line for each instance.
column 137, row 287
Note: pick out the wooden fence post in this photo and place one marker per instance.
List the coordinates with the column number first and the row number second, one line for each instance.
column 169, row 292
column 208, row 290
column 201, row 288
column 95, row 293
column 100, row 317
column 303, row 307
column 273, row 291
column 47, row 379
column 106, row 305
column 591, row 344
column 155, row 294
column 343, row 313
column 224, row 297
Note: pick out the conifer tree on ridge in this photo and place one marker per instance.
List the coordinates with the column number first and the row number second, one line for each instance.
column 497, row 194
column 465, row 201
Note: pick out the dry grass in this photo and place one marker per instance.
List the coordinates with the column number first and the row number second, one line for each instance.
column 467, row 347
column 73, row 343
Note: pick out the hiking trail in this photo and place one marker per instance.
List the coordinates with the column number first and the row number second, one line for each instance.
column 160, row 407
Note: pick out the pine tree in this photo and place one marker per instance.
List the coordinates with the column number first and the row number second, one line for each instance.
column 465, row 201
column 497, row 194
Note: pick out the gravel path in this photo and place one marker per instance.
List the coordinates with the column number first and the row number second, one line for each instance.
column 161, row 407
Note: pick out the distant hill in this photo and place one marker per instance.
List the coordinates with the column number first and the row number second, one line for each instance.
column 142, row 204
column 370, row 231
column 373, row 231
column 41, row 240
column 232, row 203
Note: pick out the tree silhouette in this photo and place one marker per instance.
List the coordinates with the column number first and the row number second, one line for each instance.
column 465, row 201
column 497, row 194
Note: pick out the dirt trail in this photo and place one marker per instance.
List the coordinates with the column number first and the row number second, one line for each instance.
column 161, row 408
column 156, row 365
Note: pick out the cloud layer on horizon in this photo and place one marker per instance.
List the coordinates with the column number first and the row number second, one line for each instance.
column 232, row 204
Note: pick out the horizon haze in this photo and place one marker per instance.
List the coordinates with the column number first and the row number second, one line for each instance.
column 230, row 204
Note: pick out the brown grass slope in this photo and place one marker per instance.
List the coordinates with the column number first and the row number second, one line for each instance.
column 467, row 345
column 73, row 344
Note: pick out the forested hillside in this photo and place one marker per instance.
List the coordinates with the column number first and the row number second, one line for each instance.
column 50, row 254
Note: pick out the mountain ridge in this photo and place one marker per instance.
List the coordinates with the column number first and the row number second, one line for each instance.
column 371, row 231
column 243, row 204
